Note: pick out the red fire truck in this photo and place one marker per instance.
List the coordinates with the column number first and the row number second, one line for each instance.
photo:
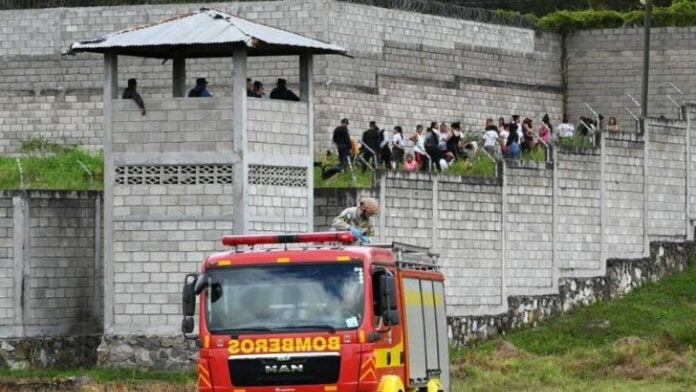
column 321, row 316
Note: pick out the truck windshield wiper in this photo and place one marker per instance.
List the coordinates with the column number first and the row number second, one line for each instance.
column 235, row 332
column 325, row 327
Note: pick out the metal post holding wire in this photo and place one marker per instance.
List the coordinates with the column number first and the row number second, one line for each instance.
column 21, row 173
column 89, row 174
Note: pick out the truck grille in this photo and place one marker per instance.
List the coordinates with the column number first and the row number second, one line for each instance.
column 284, row 369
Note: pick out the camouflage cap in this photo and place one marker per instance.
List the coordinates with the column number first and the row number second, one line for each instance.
column 370, row 205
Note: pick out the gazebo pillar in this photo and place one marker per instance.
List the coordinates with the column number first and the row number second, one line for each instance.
column 239, row 127
column 307, row 95
column 110, row 88
column 179, row 77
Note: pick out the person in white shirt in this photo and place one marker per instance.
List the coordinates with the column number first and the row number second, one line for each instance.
column 566, row 129
column 490, row 139
column 419, row 146
column 398, row 146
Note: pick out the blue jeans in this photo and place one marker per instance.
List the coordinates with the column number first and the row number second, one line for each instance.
column 513, row 151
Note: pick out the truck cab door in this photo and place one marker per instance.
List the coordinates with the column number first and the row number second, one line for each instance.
column 389, row 346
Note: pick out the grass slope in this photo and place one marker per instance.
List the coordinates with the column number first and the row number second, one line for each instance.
column 61, row 170
column 649, row 345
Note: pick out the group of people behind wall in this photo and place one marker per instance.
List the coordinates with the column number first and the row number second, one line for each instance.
column 441, row 144
column 200, row 90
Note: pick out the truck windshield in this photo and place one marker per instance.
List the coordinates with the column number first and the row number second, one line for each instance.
column 285, row 297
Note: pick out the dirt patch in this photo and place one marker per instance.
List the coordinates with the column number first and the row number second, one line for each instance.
column 507, row 350
column 628, row 342
column 637, row 370
column 68, row 384
column 144, row 387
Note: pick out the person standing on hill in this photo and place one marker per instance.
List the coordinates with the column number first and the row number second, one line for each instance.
column 341, row 137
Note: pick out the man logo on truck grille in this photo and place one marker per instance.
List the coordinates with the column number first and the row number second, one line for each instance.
column 274, row 369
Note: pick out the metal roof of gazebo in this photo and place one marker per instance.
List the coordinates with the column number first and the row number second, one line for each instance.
column 204, row 33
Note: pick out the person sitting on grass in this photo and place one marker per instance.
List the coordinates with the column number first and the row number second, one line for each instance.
column 410, row 163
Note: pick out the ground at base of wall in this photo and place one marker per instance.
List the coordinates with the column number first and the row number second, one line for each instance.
column 96, row 379
column 643, row 341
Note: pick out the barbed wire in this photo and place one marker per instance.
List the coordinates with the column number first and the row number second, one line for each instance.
column 431, row 7
column 29, row 4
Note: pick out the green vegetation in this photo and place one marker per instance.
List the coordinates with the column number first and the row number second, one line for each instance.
column 649, row 344
column 537, row 154
column 363, row 179
column 481, row 166
column 46, row 165
column 577, row 141
column 103, row 375
column 680, row 13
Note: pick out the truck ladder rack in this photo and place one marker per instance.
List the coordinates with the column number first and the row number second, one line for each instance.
column 412, row 257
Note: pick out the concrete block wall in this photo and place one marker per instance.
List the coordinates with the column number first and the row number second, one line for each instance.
column 411, row 68
column 163, row 233
column 50, row 263
column 278, row 208
column 491, row 70
column 408, row 212
column 7, row 288
column 667, row 209
column 624, row 196
column 173, row 125
column 578, row 226
column 469, row 240
column 690, row 111
column 529, row 228
column 277, row 127
column 63, row 273
column 603, row 65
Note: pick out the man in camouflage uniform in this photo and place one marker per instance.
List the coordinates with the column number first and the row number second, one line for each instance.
column 357, row 220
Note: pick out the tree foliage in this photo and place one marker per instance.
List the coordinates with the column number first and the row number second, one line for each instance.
column 679, row 13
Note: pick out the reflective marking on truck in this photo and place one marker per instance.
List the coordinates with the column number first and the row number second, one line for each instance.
column 367, row 369
column 203, row 376
column 343, row 258
column 394, row 353
column 429, row 298
column 224, row 262
column 283, row 260
column 284, row 345
column 330, row 388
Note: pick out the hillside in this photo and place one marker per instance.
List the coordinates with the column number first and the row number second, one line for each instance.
column 644, row 341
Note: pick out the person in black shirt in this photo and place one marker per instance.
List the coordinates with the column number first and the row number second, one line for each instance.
column 341, row 137
column 131, row 93
column 282, row 92
column 370, row 147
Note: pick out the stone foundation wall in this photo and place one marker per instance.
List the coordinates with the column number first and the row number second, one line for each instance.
column 58, row 351
column 622, row 277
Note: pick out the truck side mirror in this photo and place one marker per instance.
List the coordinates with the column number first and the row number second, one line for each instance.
column 391, row 317
column 187, row 325
column 387, row 300
column 188, row 296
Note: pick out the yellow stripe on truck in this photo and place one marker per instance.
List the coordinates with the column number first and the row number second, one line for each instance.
column 414, row 298
column 393, row 353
